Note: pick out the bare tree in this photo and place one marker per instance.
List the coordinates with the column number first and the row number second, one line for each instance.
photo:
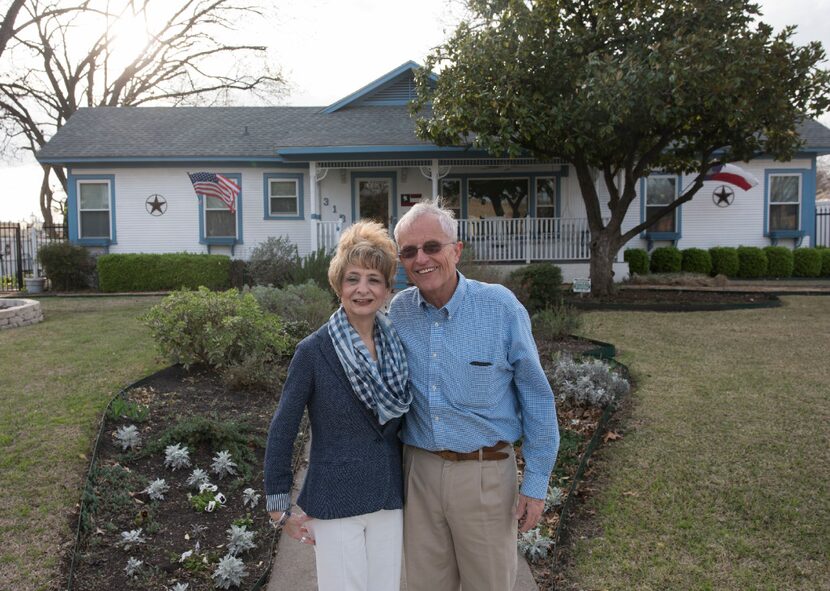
column 123, row 53
column 823, row 178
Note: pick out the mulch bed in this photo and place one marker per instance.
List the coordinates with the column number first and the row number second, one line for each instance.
column 668, row 300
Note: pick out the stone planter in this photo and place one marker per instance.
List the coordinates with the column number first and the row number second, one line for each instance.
column 34, row 284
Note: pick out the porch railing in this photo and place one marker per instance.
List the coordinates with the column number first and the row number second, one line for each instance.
column 504, row 240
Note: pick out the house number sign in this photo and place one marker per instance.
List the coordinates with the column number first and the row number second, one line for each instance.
column 156, row 205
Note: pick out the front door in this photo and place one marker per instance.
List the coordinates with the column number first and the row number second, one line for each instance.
column 373, row 199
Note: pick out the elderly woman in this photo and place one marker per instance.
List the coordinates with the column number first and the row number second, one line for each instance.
column 351, row 375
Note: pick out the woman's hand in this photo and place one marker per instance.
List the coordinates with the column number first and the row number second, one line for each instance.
column 295, row 527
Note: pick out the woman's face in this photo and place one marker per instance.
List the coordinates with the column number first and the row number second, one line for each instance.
column 362, row 292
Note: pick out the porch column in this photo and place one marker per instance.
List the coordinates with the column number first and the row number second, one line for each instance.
column 434, row 176
column 314, row 214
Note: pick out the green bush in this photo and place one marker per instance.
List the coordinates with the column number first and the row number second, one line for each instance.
column 807, row 262
column 554, row 323
column 537, row 286
column 314, row 267
column 825, row 261
column 296, row 303
column 696, row 260
column 637, row 259
column 274, row 262
column 68, row 267
column 239, row 276
column 666, row 259
column 221, row 329
column 752, row 262
column 724, row 260
column 162, row 272
column 779, row 261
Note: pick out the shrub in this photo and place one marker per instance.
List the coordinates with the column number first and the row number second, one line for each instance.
column 806, row 262
column 637, row 259
column 274, row 262
column 554, row 323
column 68, row 267
column 825, row 261
column 537, row 286
column 696, row 260
column 220, row 329
column 239, row 275
column 752, row 262
column 296, row 303
column 779, row 261
column 589, row 382
column 472, row 269
column 666, row 259
column 162, row 272
column 314, row 267
column 724, row 260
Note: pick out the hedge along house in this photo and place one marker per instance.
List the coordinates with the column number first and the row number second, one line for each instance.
column 308, row 172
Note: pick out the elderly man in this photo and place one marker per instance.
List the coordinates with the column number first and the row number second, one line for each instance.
column 478, row 386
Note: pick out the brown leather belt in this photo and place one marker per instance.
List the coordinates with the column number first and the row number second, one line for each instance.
column 485, row 453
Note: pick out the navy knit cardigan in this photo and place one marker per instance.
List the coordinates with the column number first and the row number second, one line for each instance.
column 355, row 464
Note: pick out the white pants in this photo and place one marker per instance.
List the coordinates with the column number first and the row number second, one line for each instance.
column 361, row 553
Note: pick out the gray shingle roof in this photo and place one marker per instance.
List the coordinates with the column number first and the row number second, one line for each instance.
column 200, row 132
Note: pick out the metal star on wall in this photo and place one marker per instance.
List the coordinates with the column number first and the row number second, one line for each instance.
column 723, row 196
column 156, row 205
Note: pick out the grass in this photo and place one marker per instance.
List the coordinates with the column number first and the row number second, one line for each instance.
column 721, row 479
column 56, row 378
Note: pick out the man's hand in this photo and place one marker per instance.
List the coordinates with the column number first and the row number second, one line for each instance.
column 528, row 512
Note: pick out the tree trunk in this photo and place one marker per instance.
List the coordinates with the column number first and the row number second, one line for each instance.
column 603, row 251
column 46, row 197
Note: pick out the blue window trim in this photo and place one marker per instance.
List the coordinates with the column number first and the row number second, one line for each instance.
column 557, row 176
column 266, row 195
column 806, row 214
column 73, row 208
column 391, row 176
column 223, row 241
column 652, row 237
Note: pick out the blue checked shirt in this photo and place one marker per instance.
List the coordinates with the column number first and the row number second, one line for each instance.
column 476, row 377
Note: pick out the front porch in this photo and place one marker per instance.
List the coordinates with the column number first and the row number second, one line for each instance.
column 506, row 240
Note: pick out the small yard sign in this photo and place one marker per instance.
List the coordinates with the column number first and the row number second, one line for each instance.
column 582, row 285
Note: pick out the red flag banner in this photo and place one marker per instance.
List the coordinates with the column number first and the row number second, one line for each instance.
column 216, row 185
column 734, row 175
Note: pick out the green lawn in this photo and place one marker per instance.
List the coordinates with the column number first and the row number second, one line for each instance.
column 721, row 479
column 56, row 378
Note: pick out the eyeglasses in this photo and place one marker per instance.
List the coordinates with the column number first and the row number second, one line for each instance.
column 430, row 247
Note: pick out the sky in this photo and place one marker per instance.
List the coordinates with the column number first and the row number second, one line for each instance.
column 327, row 49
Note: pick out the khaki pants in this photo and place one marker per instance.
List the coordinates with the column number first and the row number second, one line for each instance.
column 459, row 528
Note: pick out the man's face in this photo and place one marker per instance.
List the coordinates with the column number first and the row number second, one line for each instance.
column 433, row 274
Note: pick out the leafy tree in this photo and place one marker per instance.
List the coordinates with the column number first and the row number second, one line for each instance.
column 621, row 89
column 108, row 53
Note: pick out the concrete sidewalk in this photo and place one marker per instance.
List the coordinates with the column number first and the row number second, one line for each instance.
column 294, row 568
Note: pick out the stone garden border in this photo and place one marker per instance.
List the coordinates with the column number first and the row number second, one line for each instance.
column 15, row 312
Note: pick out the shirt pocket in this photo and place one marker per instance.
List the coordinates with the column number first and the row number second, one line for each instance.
column 477, row 388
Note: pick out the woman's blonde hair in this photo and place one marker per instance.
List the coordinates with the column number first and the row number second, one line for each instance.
column 366, row 244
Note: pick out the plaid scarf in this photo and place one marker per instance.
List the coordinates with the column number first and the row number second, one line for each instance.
column 381, row 386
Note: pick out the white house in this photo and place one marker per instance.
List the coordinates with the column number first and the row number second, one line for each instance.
column 307, row 172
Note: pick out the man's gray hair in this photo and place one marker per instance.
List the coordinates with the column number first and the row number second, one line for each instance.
column 434, row 207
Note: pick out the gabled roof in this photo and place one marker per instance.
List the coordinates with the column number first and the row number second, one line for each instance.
column 394, row 88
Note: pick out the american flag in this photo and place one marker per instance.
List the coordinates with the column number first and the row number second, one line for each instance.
column 215, row 185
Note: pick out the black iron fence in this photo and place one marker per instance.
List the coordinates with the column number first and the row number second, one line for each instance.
column 823, row 224
column 19, row 245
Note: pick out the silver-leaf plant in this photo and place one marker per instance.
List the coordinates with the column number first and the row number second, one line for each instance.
column 156, row 489
column 240, row 540
column 176, row 456
column 197, row 478
column 223, row 464
column 131, row 538
column 229, row 572
column 250, row 498
column 180, row 587
column 534, row 545
column 133, row 567
column 128, row 437
column 554, row 498
column 590, row 382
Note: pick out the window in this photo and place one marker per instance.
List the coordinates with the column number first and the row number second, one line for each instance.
column 94, row 209
column 660, row 191
column 219, row 221
column 498, row 197
column 784, row 202
column 283, row 197
column 451, row 195
column 546, row 197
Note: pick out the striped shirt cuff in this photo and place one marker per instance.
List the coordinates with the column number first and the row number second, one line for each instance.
column 279, row 502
